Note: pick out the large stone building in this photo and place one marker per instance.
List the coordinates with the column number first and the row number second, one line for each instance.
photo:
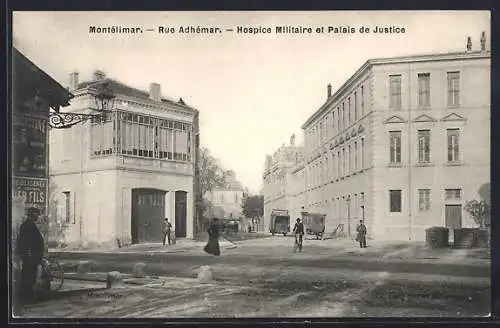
column 115, row 181
column 402, row 144
column 284, row 181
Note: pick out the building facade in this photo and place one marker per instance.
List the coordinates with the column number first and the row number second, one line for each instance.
column 116, row 180
column 284, row 182
column 403, row 144
column 225, row 202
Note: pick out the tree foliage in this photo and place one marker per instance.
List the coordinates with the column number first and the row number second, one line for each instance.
column 480, row 212
column 485, row 192
column 212, row 174
column 253, row 206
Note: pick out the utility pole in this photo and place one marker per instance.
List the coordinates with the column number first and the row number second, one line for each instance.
column 348, row 200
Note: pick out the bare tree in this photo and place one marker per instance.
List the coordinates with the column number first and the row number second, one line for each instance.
column 211, row 175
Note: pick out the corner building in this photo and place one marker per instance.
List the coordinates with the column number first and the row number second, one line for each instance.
column 116, row 181
column 408, row 139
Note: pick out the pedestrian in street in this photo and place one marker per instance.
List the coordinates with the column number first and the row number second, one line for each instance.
column 298, row 230
column 167, row 229
column 361, row 237
column 212, row 246
column 30, row 249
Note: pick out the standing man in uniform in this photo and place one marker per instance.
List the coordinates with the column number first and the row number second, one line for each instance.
column 361, row 229
column 29, row 248
column 298, row 230
column 167, row 228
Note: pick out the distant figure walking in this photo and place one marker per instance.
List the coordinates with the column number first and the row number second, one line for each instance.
column 29, row 248
column 298, row 230
column 361, row 237
column 167, row 229
column 212, row 246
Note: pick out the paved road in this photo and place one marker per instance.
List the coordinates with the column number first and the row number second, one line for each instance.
column 267, row 280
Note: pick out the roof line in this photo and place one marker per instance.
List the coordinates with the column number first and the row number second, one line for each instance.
column 163, row 99
column 387, row 60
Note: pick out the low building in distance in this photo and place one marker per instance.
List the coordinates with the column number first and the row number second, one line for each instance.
column 225, row 202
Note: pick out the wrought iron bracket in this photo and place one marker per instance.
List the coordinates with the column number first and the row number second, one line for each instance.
column 58, row 120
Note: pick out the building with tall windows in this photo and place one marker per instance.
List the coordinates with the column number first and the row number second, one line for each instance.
column 402, row 144
column 115, row 180
column 283, row 181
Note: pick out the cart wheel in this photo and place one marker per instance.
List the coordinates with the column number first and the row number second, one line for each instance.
column 272, row 233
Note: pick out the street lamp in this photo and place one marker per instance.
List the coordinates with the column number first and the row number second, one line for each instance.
column 348, row 200
column 104, row 100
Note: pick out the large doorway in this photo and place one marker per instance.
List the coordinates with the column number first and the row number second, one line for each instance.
column 148, row 213
column 453, row 216
column 180, row 214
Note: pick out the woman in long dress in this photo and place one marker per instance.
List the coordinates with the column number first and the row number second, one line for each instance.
column 212, row 246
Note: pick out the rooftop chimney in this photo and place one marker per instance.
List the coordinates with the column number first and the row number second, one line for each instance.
column 154, row 91
column 99, row 75
column 483, row 41
column 73, row 81
column 329, row 91
column 469, row 44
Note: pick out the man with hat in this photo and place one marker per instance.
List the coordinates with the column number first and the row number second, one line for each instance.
column 29, row 248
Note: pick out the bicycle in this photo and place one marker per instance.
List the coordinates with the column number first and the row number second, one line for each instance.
column 52, row 274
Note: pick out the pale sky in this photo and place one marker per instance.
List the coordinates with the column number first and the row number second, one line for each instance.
column 253, row 91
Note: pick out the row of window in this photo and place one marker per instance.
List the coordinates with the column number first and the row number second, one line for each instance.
column 346, row 113
column 347, row 160
column 424, row 90
column 143, row 136
column 424, row 199
column 345, row 205
column 424, row 146
column 350, row 110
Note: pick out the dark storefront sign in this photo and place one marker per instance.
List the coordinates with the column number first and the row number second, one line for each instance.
column 33, row 191
column 29, row 146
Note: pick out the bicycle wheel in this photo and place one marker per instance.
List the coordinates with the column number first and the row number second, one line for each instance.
column 56, row 276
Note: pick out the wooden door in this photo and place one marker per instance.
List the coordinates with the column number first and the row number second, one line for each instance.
column 180, row 214
column 148, row 211
column 453, row 216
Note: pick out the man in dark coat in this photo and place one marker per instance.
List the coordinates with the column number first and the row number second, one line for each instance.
column 298, row 230
column 212, row 246
column 29, row 248
column 361, row 237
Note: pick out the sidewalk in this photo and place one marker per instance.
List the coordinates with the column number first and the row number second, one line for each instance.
column 181, row 246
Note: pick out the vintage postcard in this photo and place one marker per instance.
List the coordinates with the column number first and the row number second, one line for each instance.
column 282, row 164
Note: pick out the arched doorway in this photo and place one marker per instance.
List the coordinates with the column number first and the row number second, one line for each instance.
column 180, row 214
column 148, row 213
